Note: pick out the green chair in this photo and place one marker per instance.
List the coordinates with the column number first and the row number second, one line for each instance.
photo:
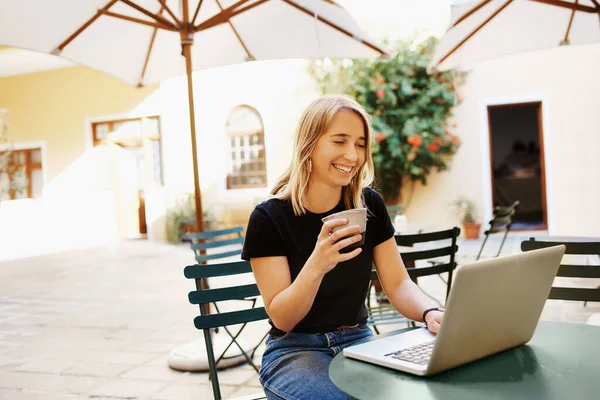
column 578, row 270
column 200, row 242
column 221, row 244
column 443, row 245
column 206, row 322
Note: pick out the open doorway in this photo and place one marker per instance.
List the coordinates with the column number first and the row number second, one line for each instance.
column 517, row 162
column 141, row 138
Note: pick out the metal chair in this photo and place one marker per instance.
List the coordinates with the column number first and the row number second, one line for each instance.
column 210, row 240
column 500, row 222
column 229, row 243
column 383, row 313
column 571, row 270
column 205, row 321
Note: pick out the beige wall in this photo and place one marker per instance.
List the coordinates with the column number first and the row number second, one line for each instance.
column 567, row 82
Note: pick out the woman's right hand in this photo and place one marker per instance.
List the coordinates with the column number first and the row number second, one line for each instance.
column 326, row 254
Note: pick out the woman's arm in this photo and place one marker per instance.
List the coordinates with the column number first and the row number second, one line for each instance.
column 403, row 293
column 286, row 302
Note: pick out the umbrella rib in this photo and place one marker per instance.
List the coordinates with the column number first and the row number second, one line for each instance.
column 222, row 16
column 471, row 12
column 159, row 19
column 570, row 6
column 334, row 26
column 164, row 5
column 139, row 21
column 566, row 39
column 83, row 27
column 248, row 55
column 196, row 12
column 469, row 36
column 150, row 46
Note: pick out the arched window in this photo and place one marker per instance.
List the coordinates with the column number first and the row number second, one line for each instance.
column 246, row 136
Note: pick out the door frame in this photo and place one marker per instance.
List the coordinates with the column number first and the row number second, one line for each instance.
column 546, row 162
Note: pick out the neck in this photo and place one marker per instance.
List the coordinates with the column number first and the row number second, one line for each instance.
column 320, row 198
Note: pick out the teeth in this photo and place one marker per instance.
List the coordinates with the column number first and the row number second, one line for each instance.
column 342, row 169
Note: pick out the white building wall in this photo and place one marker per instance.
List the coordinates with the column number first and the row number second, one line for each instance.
column 567, row 82
column 279, row 90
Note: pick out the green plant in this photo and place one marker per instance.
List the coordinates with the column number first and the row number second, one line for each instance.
column 410, row 110
column 182, row 214
column 466, row 210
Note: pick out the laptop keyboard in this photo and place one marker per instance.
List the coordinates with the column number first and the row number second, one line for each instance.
column 418, row 354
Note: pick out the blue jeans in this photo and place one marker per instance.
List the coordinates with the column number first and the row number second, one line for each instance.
column 295, row 366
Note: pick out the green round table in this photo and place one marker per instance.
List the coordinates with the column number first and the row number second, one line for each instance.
column 562, row 361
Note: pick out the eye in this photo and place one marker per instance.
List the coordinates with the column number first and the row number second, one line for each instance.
column 361, row 145
column 338, row 141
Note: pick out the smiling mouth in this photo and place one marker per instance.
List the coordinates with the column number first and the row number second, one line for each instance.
column 342, row 168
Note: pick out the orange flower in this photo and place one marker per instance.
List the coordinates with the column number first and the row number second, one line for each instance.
column 380, row 137
column 433, row 147
column 415, row 141
column 379, row 80
column 380, row 93
column 441, row 80
column 437, row 140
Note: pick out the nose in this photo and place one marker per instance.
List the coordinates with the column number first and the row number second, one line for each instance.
column 351, row 154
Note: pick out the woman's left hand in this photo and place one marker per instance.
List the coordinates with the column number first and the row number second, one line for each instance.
column 434, row 321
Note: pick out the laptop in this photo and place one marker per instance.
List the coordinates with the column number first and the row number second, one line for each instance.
column 494, row 305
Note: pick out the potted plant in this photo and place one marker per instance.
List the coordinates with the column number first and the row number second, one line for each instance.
column 467, row 213
column 181, row 218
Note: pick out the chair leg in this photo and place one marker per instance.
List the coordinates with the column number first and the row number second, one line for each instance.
column 212, row 365
column 502, row 244
column 482, row 246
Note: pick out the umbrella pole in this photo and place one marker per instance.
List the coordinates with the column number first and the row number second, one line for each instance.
column 186, row 45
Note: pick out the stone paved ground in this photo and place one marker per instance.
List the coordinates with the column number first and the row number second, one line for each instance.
column 99, row 323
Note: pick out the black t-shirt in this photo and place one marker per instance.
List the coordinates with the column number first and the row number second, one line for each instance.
column 274, row 230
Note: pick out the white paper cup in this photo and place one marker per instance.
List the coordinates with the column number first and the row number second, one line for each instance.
column 356, row 216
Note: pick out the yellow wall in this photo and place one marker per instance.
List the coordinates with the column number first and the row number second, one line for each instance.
column 52, row 106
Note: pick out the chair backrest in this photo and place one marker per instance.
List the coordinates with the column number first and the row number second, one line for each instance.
column 202, row 297
column 203, row 241
column 502, row 218
column 444, row 245
column 500, row 222
column 579, row 270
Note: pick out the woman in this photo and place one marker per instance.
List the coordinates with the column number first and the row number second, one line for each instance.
column 315, row 294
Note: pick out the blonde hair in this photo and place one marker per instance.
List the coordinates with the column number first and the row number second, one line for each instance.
column 315, row 121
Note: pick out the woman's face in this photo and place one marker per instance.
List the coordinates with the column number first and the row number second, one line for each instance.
column 340, row 151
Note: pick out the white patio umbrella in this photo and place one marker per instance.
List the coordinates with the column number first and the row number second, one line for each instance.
column 486, row 29
column 142, row 41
